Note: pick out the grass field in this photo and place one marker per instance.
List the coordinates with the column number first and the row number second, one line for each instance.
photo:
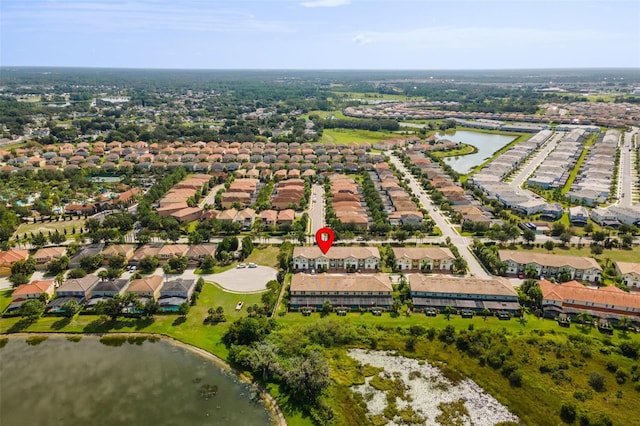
column 615, row 255
column 465, row 150
column 346, row 136
column 45, row 227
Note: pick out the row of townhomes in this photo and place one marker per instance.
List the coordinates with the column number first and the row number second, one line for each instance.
column 367, row 259
column 87, row 291
column 550, row 265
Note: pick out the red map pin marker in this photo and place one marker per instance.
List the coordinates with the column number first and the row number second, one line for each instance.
column 324, row 238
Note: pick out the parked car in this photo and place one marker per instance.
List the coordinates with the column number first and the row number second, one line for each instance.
column 252, row 265
column 241, row 266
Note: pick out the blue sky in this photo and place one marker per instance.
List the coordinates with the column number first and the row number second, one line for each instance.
column 320, row 34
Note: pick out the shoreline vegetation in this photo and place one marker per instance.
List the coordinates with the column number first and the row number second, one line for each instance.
column 276, row 414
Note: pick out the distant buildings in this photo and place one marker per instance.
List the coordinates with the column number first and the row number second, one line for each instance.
column 550, row 265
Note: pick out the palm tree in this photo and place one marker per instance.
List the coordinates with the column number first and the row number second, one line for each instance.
column 448, row 310
column 485, row 313
column 459, row 265
column 584, row 318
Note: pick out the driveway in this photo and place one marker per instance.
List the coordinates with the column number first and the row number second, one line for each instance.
column 247, row 280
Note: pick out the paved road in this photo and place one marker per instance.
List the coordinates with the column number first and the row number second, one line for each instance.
column 211, row 196
column 534, row 162
column 316, row 209
column 462, row 243
column 247, row 280
column 627, row 175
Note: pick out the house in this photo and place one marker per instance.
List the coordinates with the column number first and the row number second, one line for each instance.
column 425, row 259
column 78, row 288
column 337, row 259
column 146, row 288
column 551, row 212
column 188, row 214
column 572, row 298
column 604, row 217
column 245, row 218
column 9, row 258
column 125, row 250
column 469, row 293
column 352, row 291
column 630, row 273
column 109, row 288
column 47, row 254
column 197, row 253
column 85, row 251
column 172, row 250
column 34, row 290
column 176, row 292
column 286, row 217
column 268, row 218
column 147, row 250
column 80, row 209
column 550, row 265
column 578, row 215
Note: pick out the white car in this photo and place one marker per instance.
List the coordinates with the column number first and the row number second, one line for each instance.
column 241, row 266
column 252, row 265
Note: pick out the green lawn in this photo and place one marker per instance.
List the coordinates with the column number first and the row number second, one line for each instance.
column 45, row 227
column 465, row 150
column 345, row 136
column 267, row 256
column 613, row 254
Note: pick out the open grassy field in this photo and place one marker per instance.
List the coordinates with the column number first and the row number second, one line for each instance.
column 45, row 227
column 465, row 150
column 267, row 256
column 615, row 255
column 346, row 136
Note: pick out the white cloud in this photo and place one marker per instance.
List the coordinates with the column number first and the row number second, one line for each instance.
column 361, row 39
column 479, row 37
column 325, row 3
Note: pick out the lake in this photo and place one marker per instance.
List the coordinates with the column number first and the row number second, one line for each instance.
column 62, row 382
column 486, row 143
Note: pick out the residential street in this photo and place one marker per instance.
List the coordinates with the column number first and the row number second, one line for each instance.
column 532, row 163
column 627, row 176
column 462, row 243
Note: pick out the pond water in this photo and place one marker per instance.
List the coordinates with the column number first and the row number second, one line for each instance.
column 62, row 382
column 486, row 143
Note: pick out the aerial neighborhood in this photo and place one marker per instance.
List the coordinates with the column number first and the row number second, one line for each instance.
column 193, row 208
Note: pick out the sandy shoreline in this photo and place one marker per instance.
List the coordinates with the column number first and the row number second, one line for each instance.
column 270, row 403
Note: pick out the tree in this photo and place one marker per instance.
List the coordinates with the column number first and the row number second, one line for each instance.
column 448, row 311
column 18, row 279
column 568, row 413
column 599, row 236
column 207, row 264
column 115, row 305
column 564, row 275
column 39, row 240
column 549, row 245
column 459, row 265
column 148, row 263
column 57, row 238
column 32, row 309
column 184, row 308
column 150, row 308
column 596, row 381
column 76, row 273
column 530, row 272
column 485, row 313
column 26, row 267
column 529, row 236
column 69, row 308
column 584, row 318
column 91, row 263
column 264, row 358
column 306, row 376
column 117, row 262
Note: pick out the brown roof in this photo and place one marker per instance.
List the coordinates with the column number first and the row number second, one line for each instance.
column 151, row 284
column 628, row 268
column 12, row 256
column 340, row 283
column 467, row 285
column 33, row 287
column 574, row 291
column 553, row 260
column 417, row 253
column 314, row 252
column 118, row 249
